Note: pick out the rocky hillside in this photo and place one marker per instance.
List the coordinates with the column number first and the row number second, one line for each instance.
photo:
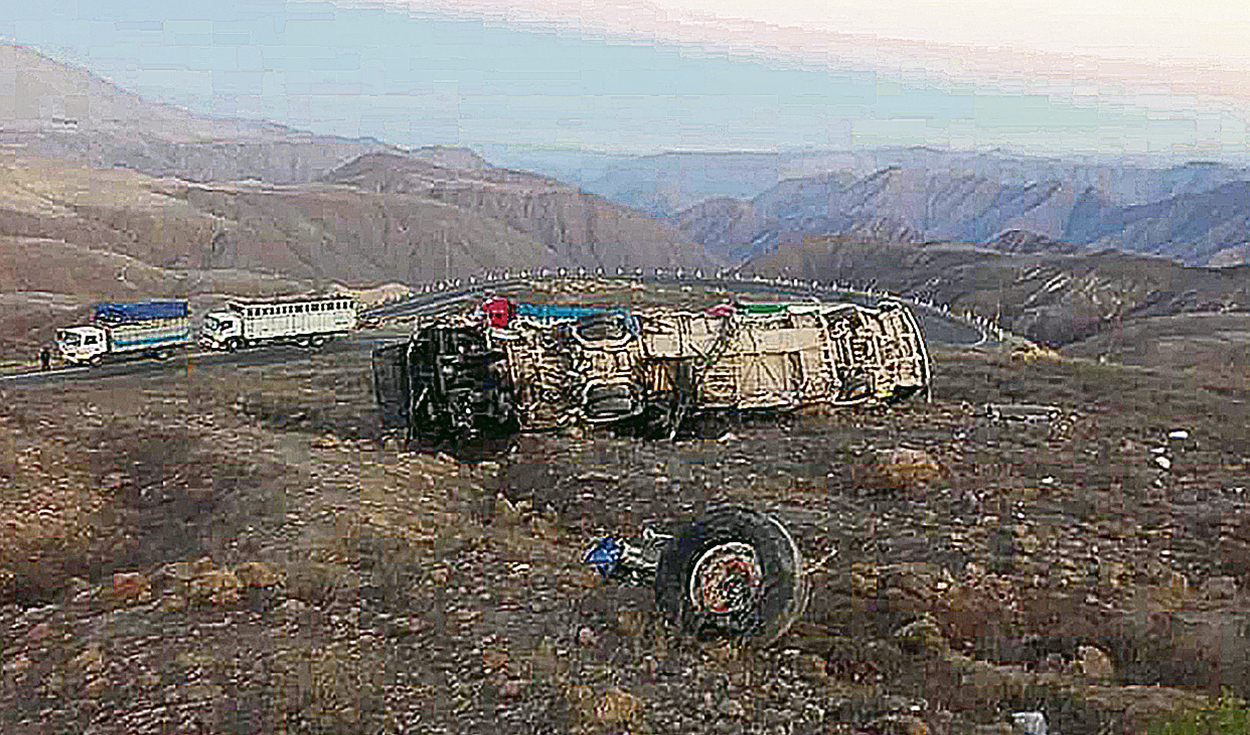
column 89, row 234
column 582, row 229
column 1050, row 296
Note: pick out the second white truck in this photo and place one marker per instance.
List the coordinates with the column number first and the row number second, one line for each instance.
column 306, row 322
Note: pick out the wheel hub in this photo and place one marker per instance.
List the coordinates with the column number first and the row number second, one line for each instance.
column 726, row 579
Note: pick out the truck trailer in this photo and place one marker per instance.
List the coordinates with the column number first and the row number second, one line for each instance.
column 142, row 329
column 306, row 322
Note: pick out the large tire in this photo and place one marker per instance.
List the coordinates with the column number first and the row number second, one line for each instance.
column 735, row 573
column 609, row 403
column 232, row 345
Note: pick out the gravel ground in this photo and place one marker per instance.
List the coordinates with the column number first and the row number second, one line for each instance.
column 235, row 551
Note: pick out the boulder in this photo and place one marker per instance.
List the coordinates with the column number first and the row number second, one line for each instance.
column 1028, row 723
column 1219, row 588
column 1093, row 663
column 131, row 588
column 218, row 586
column 922, row 637
column 257, row 574
column 906, row 469
column 177, row 571
column 617, row 707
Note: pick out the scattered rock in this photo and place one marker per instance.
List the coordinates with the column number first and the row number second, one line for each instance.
column 630, row 623
column 732, row 708
column 581, row 700
column 513, row 688
column 178, row 571
column 813, row 667
column 1220, row 588
column 172, row 603
column 257, row 574
column 617, row 707
column 1093, row 663
column 922, row 637
column 292, row 608
column 76, row 587
column 506, row 513
column 907, row 469
column 1028, row 723
column 218, row 586
column 900, row 725
column 494, row 659
column 131, row 588
column 88, row 663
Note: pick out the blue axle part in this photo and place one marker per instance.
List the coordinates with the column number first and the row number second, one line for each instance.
column 605, row 557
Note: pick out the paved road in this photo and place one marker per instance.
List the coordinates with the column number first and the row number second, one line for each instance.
column 939, row 330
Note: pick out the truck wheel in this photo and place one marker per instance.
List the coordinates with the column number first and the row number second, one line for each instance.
column 735, row 573
column 96, row 361
column 317, row 342
column 232, row 345
column 302, row 342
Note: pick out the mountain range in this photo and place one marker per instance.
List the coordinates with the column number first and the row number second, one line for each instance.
column 740, row 205
column 1201, row 218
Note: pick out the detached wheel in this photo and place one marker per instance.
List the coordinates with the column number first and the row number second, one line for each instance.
column 735, row 573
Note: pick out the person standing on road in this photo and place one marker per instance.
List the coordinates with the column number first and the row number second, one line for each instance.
column 45, row 359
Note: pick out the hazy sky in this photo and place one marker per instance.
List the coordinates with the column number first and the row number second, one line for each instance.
column 1207, row 31
column 1096, row 77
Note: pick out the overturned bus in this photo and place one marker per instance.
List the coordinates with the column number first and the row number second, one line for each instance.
column 521, row 367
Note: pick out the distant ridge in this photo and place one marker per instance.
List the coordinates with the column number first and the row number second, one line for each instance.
column 56, row 110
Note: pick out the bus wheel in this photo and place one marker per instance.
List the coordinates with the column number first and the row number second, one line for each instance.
column 735, row 573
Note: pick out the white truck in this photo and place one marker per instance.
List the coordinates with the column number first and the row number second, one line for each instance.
column 143, row 329
column 307, row 322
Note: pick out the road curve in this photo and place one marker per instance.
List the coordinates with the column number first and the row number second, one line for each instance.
column 939, row 329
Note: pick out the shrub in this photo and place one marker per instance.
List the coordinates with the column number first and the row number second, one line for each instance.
column 1228, row 717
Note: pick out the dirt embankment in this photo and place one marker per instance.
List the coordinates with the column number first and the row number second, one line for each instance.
column 230, row 550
